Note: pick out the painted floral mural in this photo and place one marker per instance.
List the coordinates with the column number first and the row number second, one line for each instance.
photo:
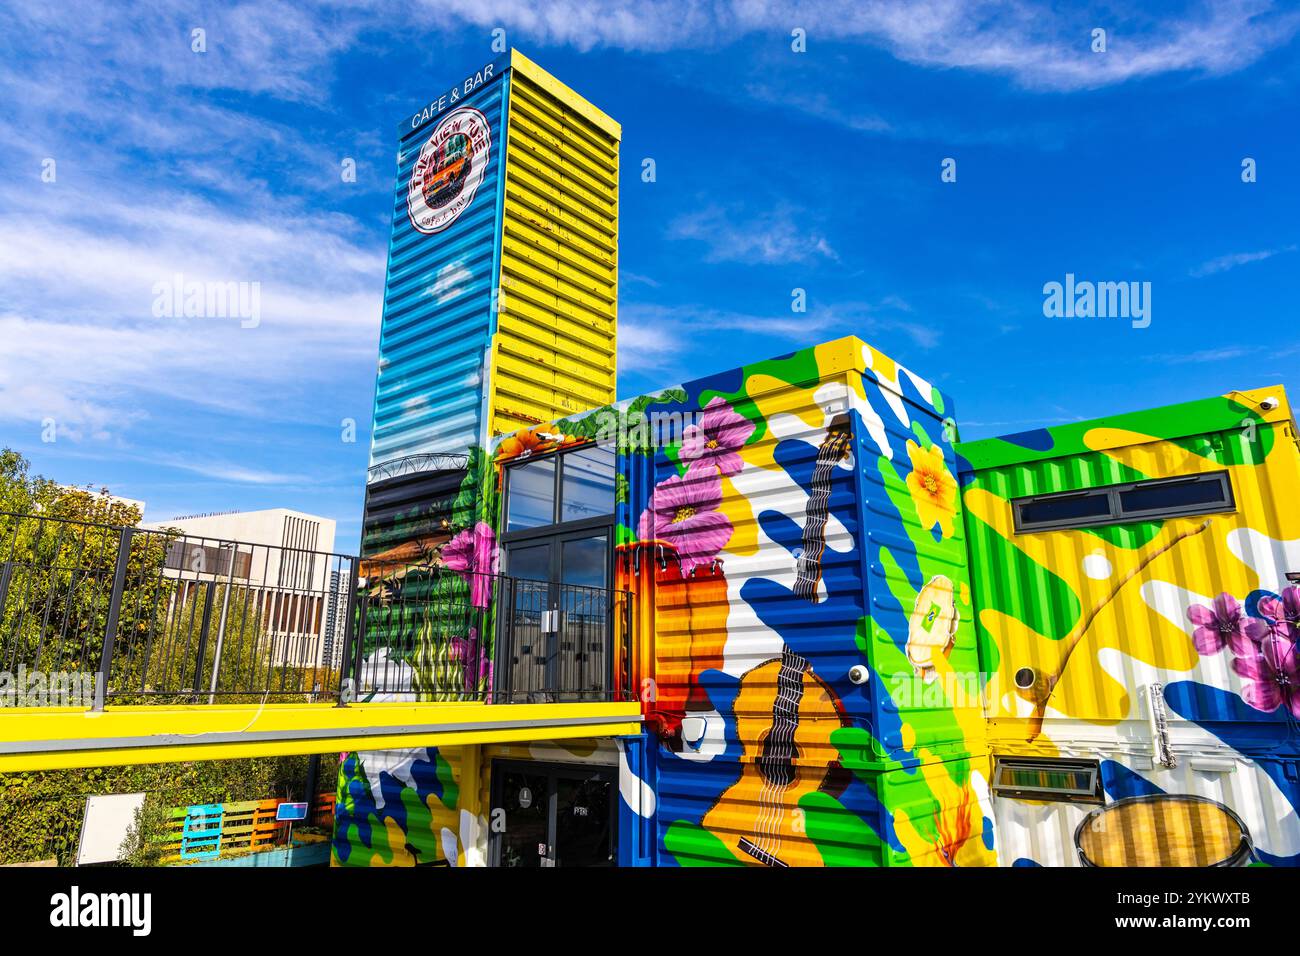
column 717, row 439
column 683, row 514
column 1178, row 631
column 1263, row 647
column 474, row 554
column 932, row 487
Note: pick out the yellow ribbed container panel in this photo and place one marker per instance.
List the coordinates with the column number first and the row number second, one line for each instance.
column 553, row 353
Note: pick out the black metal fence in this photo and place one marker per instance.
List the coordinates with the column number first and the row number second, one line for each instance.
column 562, row 642
column 146, row 614
column 433, row 633
column 93, row 614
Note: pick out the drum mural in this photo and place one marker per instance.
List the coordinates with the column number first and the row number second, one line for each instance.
column 1162, row 830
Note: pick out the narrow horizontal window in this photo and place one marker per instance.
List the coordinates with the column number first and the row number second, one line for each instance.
column 1184, row 496
column 1060, row 509
column 1196, row 495
column 1077, row 781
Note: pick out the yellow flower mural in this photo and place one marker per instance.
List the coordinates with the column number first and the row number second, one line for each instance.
column 932, row 487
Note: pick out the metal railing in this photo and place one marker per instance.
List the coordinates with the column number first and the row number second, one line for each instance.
column 92, row 614
column 433, row 633
column 148, row 615
column 562, row 642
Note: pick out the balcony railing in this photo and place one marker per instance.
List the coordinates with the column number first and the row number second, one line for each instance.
column 93, row 614
column 431, row 633
column 148, row 616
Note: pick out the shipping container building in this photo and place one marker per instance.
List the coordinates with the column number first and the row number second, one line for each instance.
column 1134, row 581
column 856, row 640
column 787, row 538
column 500, row 296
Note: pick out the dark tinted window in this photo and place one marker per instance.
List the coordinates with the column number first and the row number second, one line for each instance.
column 1208, row 491
column 1066, row 508
column 531, row 495
column 586, row 488
column 1117, row 504
column 1047, row 779
column 588, row 480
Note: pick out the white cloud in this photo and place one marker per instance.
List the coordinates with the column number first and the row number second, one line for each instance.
column 1230, row 353
column 660, row 340
column 83, row 345
column 1232, row 260
column 1038, row 46
column 288, row 51
column 771, row 237
column 229, row 471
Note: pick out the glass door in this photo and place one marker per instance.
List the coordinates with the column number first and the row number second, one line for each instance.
column 556, row 636
column 529, row 641
column 553, row 815
column 584, row 622
column 585, row 819
column 523, row 799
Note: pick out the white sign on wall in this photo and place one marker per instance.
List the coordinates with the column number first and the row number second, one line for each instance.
column 104, row 826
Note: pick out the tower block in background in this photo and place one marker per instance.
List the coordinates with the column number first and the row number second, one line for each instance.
column 500, row 300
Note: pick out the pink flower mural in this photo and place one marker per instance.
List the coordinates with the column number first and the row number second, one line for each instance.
column 1284, row 613
column 683, row 512
column 718, row 438
column 1224, row 624
column 473, row 553
column 1263, row 649
column 1272, row 674
column 468, row 652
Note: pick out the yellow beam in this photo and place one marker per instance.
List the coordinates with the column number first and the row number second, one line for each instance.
column 40, row 738
column 470, row 807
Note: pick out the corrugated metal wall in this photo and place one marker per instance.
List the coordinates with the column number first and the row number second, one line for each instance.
column 830, row 557
column 1106, row 608
column 1103, row 614
column 1263, row 793
column 437, row 318
column 554, row 351
column 917, row 562
column 398, row 807
column 521, row 286
column 720, row 633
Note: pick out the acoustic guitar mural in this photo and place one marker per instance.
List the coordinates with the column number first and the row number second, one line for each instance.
column 785, row 713
column 789, row 713
column 832, row 451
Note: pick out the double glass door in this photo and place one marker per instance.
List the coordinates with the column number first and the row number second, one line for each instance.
column 553, row 815
column 557, row 640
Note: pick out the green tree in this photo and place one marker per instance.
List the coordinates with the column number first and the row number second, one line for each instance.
column 237, row 632
column 58, row 553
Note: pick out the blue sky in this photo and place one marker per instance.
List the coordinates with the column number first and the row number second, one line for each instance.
column 775, row 170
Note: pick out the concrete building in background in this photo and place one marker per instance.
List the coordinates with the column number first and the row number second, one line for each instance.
column 106, row 496
column 283, row 558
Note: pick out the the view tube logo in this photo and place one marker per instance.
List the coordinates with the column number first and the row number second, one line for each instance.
column 448, row 171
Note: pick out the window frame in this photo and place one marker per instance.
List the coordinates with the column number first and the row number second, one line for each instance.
column 556, row 526
column 1116, row 514
column 1092, row 795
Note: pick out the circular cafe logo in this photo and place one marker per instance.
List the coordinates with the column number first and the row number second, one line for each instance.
column 449, row 169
